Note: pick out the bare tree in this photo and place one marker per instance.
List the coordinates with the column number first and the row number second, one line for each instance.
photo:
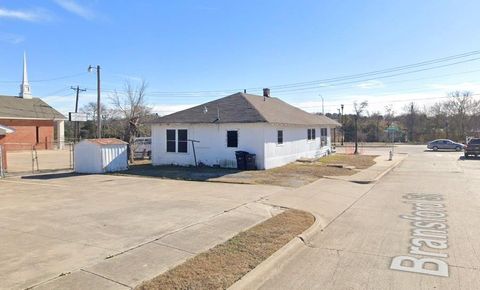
column 130, row 106
column 359, row 109
column 459, row 106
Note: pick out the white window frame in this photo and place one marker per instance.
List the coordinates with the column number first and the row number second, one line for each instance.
column 176, row 140
column 283, row 137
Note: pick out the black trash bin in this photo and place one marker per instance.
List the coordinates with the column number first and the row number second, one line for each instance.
column 250, row 163
column 241, row 159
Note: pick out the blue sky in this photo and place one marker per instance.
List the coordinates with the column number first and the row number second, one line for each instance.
column 222, row 46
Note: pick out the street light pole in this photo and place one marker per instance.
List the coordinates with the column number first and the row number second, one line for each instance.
column 343, row 125
column 356, row 134
column 323, row 108
column 99, row 117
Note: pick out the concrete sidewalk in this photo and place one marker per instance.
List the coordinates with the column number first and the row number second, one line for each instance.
column 127, row 269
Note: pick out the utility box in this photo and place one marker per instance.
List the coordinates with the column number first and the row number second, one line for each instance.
column 100, row 155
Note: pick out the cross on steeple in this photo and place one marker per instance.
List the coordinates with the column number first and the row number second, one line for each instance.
column 25, row 86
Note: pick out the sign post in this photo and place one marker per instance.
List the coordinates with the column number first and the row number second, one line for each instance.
column 77, row 117
column 391, row 130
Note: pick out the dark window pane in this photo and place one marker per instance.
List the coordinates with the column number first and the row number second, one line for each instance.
column 474, row 141
column 232, row 139
column 182, row 146
column 170, row 134
column 309, row 134
column 170, row 146
column 182, row 135
column 170, row 140
column 313, row 134
column 280, row 136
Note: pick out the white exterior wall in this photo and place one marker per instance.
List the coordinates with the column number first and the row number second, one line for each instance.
column 87, row 157
column 212, row 149
column 295, row 144
column 114, row 158
column 94, row 158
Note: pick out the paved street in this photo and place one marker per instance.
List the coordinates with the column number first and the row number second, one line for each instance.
column 417, row 228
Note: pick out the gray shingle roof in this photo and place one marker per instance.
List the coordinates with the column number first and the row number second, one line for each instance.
column 35, row 108
column 246, row 108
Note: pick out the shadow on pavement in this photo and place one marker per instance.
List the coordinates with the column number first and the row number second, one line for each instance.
column 177, row 172
column 469, row 158
column 51, row 175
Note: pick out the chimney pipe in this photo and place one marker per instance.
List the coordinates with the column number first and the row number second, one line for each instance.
column 266, row 92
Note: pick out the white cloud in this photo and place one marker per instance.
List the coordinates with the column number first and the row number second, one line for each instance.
column 75, row 8
column 168, row 109
column 373, row 84
column 465, row 86
column 25, row 15
column 11, row 38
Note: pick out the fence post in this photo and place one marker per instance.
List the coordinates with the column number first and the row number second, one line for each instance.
column 2, row 169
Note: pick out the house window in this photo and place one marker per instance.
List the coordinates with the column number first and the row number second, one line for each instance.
column 182, row 141
column 37, row 135
column 232, row 139
column 177, row 140
column 280, row 137
column 323, row 136
column 310, row 134
column 171, row 140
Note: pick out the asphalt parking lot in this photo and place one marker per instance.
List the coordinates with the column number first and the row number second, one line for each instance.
column 60, row 225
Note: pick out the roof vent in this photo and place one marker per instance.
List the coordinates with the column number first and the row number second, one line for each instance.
column 266, row 92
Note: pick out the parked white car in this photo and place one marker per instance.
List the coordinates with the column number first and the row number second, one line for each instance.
column 142, row 147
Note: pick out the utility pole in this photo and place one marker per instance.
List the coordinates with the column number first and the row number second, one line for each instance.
column 77, row 124
column 99, row 117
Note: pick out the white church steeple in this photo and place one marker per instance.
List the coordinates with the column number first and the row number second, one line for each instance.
column 25, row 86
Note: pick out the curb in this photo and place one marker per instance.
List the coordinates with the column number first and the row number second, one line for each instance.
column 258, row 275
column 377, row 178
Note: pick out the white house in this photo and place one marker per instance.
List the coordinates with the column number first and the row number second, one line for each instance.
column 100, row 155
column 278, row 133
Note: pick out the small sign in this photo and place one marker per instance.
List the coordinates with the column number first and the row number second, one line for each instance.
column 77, row 117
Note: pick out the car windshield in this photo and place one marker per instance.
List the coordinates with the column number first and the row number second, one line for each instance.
column 474, row 141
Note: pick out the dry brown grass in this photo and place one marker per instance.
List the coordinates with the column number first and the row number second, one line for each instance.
column 298, row 174
column 291, row 175
column 221, row 266
column 359, row 161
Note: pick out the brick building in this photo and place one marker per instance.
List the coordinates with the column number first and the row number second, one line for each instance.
column 33, row 122
column 29, row 121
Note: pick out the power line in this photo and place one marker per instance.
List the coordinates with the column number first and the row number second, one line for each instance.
column 346, row 77
column 48, row 80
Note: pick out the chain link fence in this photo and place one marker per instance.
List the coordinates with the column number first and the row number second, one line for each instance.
column 19, row 158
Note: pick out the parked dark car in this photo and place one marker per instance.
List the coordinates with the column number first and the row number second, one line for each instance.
column 473, row 148
column 445, row 144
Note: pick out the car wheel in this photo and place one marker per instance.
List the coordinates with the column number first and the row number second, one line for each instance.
column 458, row 148
column 435, row 148
column 466, row 156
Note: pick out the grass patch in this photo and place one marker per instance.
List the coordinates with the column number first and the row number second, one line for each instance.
column 359, row 161
column 295, row 174
column 226, row 263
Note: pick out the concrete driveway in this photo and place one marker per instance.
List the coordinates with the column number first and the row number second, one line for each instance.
column 112, row 232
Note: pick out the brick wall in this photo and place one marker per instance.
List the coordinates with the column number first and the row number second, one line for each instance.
column 25, row 135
